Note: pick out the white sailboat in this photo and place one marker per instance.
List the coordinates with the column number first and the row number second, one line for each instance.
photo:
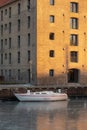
column 41, row 96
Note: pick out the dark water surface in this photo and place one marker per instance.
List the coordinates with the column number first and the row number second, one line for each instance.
column 62, row 115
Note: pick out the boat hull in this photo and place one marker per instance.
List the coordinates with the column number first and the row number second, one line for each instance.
column 54, row 97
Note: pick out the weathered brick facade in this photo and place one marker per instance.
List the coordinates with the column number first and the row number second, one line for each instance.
column 66, row 21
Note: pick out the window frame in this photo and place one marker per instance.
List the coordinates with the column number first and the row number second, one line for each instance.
column 74, row 7
column 10, row 55
column 29, row 55
column 19, row 57
column 19, row 40
column 19, row 8
column 51, row 53
column 19, row 25
column 51, row 72
column 9, row 12
column 74, row 23
column 74, row 56
column 52, row 2
column 52, row 18
column 74, row 39
column 52, row 36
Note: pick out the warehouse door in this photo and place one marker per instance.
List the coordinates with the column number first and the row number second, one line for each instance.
column 73, row 76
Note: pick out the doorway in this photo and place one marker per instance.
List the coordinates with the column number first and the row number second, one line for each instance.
column 73, row 76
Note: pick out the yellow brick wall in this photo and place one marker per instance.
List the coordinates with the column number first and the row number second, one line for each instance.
column 61, row 45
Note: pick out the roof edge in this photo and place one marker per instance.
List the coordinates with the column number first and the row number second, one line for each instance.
column 6, row 2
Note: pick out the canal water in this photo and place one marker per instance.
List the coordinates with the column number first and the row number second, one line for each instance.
column 62, row 115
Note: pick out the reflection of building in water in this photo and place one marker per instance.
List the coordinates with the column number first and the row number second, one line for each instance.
column 76, row 115
column 49, row 116
column 32, row 120
column 72, row 118
column 82, row 120
column 53, row 117
column 45, row 116
column 43, row 42
column 52, row 121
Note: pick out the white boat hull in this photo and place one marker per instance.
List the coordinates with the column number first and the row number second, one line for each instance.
column 42, row 97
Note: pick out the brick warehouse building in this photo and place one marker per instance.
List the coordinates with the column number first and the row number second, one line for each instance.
column 43, row 42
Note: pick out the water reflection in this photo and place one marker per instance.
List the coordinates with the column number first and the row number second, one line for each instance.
column 71, row 115
column 77, row 115
column 46, row 116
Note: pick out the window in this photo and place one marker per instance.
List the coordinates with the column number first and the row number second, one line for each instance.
column 18, row 57
column 5, row 11
column 18, row 41
column 9, row 43
column 18, row 8
column 51, row 53
column 74, row 39
column 1, row 58
column 28, row 21
column 9, row 58
column 28, row 39
column 51, row 36
column 74, row 7
column 9, row 12
column 5, row 72
column 74, row 56
column 2, row 15
column 10, row 27
column 74, row 23
column 5, row 56
column 1, row 72
column 5, row 26
column 9, row 74
column 18, row 24
column 51, row 18
column 1, row 30
column 28, row 5
column 51, row 2
column 51, row 72
column 18, row 74
column 5, row 41
column 28, row 55
column 1, row 44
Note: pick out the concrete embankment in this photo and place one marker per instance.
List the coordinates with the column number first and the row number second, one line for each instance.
column 7, row 91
